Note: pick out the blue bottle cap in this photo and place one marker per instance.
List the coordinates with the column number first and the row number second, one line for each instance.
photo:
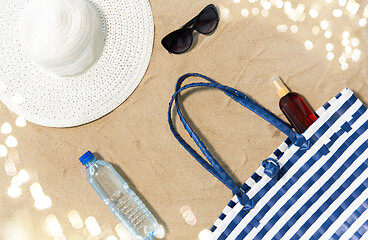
column 85, row 158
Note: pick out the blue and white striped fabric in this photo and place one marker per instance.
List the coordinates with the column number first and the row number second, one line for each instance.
column 322, row 193
column 314, row 186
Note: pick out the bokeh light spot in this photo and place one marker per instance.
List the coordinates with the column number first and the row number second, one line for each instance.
column 337, row 13
column 342, row 3
column 308, row 45
column 111, row 238
column 23, row 175
column 14, row 191
column 324, row 24
column 52, row 226
column 281, row 28
column 6, row 128
column 255, row 11
column 345, row 34
column 355, row 42
column 205, row 234
column 356, row 55
column 315, row 30
column 294, row 28
column 330, row 56
column 265, row 13
column 279, row 3
column 43, row 203
column 11, row 141
column 245, row 12
column 266, row 5
column 348, row 49
column 329, row 47
column 36, row 191
column 313, row 13
column 20, row 121
column 345, row 42
column 16, row 180
column 75, row 219
column 344, row 66
column 3, row 151
column 328, row 34
column 10, row 168
column 362, row 22
column 93, row 226
column 224, row 12
column 122, row 232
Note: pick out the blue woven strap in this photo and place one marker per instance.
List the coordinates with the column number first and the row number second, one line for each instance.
column 212, row 165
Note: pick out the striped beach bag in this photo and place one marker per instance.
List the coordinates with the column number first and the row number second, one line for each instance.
column 314, row 186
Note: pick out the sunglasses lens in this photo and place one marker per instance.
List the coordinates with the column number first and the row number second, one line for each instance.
column 178, row 41
column 207, row 21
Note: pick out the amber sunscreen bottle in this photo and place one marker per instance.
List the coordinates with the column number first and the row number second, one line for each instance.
column 294, row 107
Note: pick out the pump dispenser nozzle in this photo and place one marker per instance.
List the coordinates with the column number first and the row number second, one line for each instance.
column 282, row 90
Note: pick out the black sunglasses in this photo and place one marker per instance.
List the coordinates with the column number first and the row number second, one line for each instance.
column 181, row 40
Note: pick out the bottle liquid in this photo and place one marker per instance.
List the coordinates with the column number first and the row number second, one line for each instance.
column 294, row 107
column 123, row 202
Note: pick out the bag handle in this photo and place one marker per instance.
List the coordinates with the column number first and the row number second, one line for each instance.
column 213, row 166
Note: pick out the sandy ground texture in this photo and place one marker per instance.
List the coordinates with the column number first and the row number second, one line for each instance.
column 253, row 42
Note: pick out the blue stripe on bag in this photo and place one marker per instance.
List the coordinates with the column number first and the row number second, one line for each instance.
column 231, row 204
column 329, row 183
column 361, row 231
column 341, row 209
column 287, row 166
column 323, row 188
column 326, row 105
column 346, row 204
column 255, row 177
column 278, row 153
column 310, row 182
column 271, row 183
column 355, row 116
column 352, row 219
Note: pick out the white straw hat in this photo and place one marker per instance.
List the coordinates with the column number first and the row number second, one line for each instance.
column 64, row 63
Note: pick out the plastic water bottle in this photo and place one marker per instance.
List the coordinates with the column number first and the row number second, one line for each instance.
column 123, row 202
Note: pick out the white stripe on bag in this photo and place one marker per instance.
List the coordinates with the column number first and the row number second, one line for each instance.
column 314, row 188
column 325, row 215
column 299, row 163
column 365, row 236
column 355, row 226
column 347, row 213
column 328, row 193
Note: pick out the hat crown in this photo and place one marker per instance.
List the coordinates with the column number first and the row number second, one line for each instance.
column 61, row 36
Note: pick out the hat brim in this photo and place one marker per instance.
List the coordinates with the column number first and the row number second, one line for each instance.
column 49, row 100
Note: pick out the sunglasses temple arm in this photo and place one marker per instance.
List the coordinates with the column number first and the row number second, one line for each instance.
column 189, row 23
